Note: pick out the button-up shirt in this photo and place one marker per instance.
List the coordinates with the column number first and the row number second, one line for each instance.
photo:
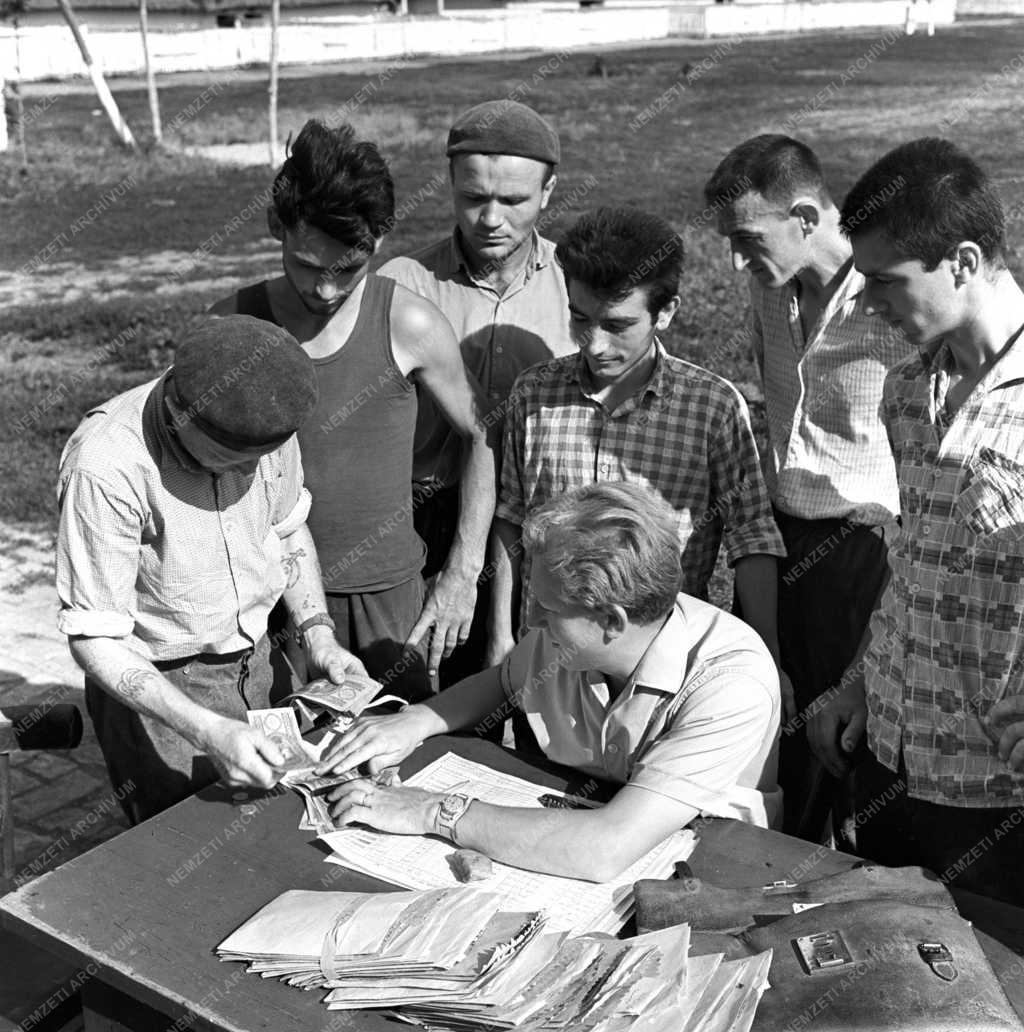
column 500, row 334
column 948, row 639
column 828, row 453
column 685, row 434
column 698, row 720
column 155, row 550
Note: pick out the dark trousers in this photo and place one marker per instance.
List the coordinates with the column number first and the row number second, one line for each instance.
column 981, row 850
column 152, row 767
column 828, row 585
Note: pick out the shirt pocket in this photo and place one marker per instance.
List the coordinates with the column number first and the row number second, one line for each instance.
column 991, row 497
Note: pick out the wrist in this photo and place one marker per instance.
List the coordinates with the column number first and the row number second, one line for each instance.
column 426, row 721
column 314, row 636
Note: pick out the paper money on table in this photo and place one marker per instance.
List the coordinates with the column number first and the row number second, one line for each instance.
column 281, row 727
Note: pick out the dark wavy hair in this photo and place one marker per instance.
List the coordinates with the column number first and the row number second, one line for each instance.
column 338, row 184
column 614, row 250
column 927, row 196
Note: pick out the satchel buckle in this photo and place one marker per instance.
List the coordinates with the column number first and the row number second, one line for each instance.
column 938, row 957
column 779, row 888
column 823, row 952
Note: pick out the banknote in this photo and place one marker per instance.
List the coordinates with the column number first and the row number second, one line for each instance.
column 281, row 727
column 351, row 696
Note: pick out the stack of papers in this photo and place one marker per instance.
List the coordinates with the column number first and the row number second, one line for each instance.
column 451, row 958
column 422, row 862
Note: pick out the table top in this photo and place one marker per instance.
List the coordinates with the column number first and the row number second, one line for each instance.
column 144, row 911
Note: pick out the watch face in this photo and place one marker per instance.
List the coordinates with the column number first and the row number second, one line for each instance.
column 453, row 805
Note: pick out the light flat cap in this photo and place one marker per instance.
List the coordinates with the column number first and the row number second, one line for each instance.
column 244, row 382
column 504, row 127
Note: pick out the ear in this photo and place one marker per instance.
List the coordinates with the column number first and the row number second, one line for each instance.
column 614, row 621
column 274, row 224
column 967, row 261
column 667, row 313
column 808, row 214
column 548, row 190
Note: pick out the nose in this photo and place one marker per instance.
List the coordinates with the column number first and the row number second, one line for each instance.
column 874, row 304
column 739, row 260
column 326, row 289
column 491, row 216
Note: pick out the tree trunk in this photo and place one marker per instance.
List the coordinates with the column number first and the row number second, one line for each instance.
column 124, row 134
column 275, row 16
column 154, row 99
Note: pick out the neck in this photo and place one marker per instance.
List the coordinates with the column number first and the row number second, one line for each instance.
column 996, row 318
column 828, row 266
column 629, row 648
column 628, row 382
column 498, row 275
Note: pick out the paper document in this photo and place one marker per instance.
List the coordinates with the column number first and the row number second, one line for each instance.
column 421, row 862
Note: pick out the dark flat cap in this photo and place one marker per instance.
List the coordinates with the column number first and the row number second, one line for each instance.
column 504, row 127
column 244, row 382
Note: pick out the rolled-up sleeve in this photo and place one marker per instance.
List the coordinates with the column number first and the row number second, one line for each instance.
column 727, row 724
column 98, row 544
column 293, row 500
column 738, row 487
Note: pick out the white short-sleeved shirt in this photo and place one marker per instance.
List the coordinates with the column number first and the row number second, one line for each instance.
column 698, row 721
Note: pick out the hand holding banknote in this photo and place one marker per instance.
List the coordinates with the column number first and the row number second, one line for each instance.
column 244, row 756
column 381, row 741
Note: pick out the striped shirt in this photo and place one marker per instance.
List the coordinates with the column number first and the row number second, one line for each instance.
column 828, row 453
column 685, row 434
column 948, row 638
column 155, row 550
column 500, row 334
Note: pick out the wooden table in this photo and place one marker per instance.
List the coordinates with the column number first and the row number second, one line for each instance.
column 141, row 914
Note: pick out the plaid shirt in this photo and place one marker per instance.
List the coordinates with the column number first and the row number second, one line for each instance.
column 948, row 638
column 828, row 454
column 153, row 549
column 685, row 434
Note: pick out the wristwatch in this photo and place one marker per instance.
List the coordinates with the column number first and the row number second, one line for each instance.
column 320, row 619
column 449, row 813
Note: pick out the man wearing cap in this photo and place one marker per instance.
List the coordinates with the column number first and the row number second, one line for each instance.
column 496, row 280
column 182, row 522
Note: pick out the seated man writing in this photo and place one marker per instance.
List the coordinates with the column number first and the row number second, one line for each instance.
column 620, row 677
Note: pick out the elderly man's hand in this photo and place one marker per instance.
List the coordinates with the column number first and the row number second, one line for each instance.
column 449, row 610
column 1005, row 725
column 379, row 742
column 328, row 659
column 399, row 809
column 838, row 725
column 243, row 755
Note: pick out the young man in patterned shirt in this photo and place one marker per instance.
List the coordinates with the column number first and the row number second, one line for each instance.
column 941, row 678
column 623, row 409
column 828, row 466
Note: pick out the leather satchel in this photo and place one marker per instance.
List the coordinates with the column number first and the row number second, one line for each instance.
column 685, row 898
column 878, row 965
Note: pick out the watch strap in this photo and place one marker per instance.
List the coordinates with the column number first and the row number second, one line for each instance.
column 317, row 620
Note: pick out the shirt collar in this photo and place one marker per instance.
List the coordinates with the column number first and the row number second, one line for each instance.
column 1009, row 369
column 656, row 385
column 542, row 253
column 663, row 665
column 155, row 421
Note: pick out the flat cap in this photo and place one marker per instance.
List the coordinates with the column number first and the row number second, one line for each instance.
column 244, row 382
column 504, row 127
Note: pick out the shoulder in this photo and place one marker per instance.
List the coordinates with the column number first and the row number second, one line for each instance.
column 419, row 267
column 688, row 377
column 420, row 333
column 551, row 375
column 225, row 306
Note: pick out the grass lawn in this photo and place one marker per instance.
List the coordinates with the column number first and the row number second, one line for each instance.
column 106, row 257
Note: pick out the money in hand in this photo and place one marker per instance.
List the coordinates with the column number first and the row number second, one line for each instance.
column 351, row 696
column 281, row 727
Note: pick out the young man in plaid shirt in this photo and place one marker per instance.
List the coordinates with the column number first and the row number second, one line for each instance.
column 939, row 685
column 622, row 409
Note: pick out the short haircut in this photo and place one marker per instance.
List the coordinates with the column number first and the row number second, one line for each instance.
column 338, row 184
column 610, row 543
column 612, row 251
column 927, row 196
column 777, row 167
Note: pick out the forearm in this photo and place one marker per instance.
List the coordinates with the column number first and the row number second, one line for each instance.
column 466, row 703
column 134, row 681
column 476, row 508
column 506, row 562
column 304, row 588
column 757, row 588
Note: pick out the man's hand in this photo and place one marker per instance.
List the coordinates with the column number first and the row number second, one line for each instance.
column 243, row 755
column 379, row 741
column 326, row 658
column 845, row 714
column 449, row 610
column 400, row 810
column 1005, row 726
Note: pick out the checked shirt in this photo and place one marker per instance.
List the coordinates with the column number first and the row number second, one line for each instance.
column 685, row 434
column 948, row 639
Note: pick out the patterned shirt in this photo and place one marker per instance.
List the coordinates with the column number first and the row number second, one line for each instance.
column 698, row 721
column 828, row 452
column 948, row 639
column 500, row 334
column 155, row 550
column 685, row 434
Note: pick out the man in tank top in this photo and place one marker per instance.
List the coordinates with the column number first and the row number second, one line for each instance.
column 372, row 342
